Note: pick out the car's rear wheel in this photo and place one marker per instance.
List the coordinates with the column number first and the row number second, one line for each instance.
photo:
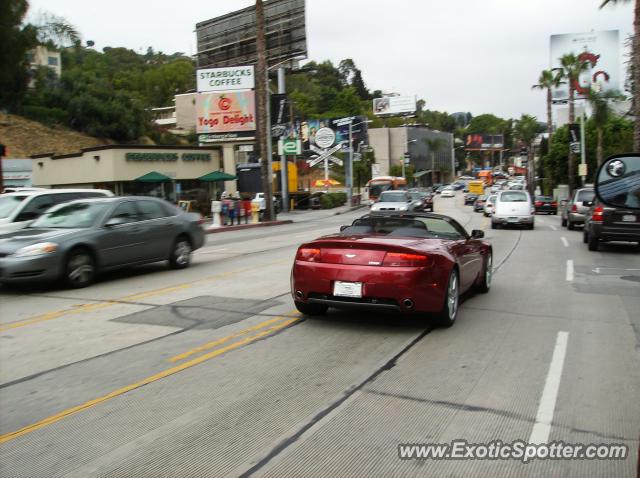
column 564, row 222
column 311, row 309
column 570, row 226
column 585, row 236
column 593, row 243
column 494, row 225
column 485, row 282
column 447, row 316
column 80, row 269
column 180, row 253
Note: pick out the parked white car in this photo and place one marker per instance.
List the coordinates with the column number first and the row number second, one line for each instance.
column 490, row 204
column 448, row 192
column 19, row 209
column 513, row 208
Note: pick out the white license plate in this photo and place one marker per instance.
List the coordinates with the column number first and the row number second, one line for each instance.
column 347, row 289
column 512, row 219
column 629, row 218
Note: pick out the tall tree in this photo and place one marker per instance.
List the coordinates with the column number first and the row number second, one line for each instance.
column 548, row 80
column 601, row 112
column 261, row 93
column 572, row 66
column 635, row 66
column 55, row 31
column 15, row 41
column 526, row 130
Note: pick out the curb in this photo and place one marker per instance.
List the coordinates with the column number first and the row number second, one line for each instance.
column 354, row 208
column 247, row 226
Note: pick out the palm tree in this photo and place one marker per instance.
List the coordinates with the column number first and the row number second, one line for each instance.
column 572, row 66
column 601, row 112
column 526, row 130
column 434, row 145
column 635, row 66
column 548, row 80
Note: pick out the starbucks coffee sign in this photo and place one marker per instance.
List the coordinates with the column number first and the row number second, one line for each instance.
column 167, row 156
column 325, row 137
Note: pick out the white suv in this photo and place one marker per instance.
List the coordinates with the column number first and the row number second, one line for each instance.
column 19, row 209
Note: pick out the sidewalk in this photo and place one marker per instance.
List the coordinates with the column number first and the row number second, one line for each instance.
column 301, row 215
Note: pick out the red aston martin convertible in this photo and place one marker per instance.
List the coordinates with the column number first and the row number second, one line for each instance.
column 405, row 262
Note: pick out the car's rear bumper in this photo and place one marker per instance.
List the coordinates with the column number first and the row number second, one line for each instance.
column 382, row 287
column 515, row 220
column 547, row 209
column 576, row 217
column 615, row 233
column 27, row 269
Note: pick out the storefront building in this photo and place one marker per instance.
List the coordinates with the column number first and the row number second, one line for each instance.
column 130, row 170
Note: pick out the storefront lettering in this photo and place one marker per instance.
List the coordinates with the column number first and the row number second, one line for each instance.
column 167, row 156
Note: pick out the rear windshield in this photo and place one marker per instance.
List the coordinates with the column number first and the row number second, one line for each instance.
column 586, row 195
column 513, row 196
column 544, row 198
column 392, row 196
column 8, row 204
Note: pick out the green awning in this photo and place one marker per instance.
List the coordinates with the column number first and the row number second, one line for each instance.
column 153, row 177
column 217, row 176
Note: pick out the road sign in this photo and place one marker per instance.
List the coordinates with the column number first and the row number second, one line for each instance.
column 325, row 153
column 407, row 158
column 357, row 156
column 325, row 137
column 582, row 169
column 289, row 147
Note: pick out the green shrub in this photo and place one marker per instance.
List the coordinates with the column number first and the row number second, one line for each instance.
column 48, row 116
column 331, row 200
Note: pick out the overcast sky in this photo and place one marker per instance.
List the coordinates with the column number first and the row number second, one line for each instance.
column 457, row 55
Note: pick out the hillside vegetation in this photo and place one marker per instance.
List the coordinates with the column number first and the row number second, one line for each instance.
column 24, row 138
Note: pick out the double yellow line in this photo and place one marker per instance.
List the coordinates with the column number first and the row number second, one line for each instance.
column 264, row 329
column 129, row 298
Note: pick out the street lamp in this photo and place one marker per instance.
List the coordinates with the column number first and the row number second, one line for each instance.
column 404, row 160
column 349, row 176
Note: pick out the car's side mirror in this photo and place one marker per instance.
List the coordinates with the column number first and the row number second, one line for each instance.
column 477, row 234
column 342, row 228
column 115, row 221
column 618, row 181
column 587, row 203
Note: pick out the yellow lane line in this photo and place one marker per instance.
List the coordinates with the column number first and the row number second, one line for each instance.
column 223, row 340
column 109, row 302
column 153, row 378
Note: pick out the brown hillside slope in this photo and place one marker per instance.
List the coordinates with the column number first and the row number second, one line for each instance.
column 24, row 138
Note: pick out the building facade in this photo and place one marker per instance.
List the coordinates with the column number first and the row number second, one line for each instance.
column 16, row 173
column 391, row 144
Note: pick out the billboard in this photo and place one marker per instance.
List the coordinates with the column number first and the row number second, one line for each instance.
column 225, row 79
column 394, row 105
column 600, row 49
column 230, row 39
column 226, row 112
column 307, row 130
column 484, row 142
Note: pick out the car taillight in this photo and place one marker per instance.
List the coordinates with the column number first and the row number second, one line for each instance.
column 538, row 203
column 598, row 214
column 201, row 221
column 402, row 259
column 308, row 254
column 574, row 208
column 554, row 204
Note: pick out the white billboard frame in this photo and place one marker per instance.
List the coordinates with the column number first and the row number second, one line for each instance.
column 603, row 48
column 394, row 105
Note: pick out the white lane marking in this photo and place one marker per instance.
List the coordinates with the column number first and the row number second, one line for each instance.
column 210, row 251
column 569, row 276
column 544, row 417
column 564, row 241
column 553, row 227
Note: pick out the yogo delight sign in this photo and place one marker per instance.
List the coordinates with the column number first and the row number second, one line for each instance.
column 225, row 112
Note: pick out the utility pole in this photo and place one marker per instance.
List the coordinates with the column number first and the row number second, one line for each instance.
column 263, row 124
column 583, row 151
column 284, row 166
column 349, row 169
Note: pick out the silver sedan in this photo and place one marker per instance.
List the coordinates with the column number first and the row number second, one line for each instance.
column 75, row 241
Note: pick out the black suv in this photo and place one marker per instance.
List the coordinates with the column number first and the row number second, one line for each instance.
column 604, row 223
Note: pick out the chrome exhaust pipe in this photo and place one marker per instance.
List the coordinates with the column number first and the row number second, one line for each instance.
column 299, row 294
column 408, row 303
